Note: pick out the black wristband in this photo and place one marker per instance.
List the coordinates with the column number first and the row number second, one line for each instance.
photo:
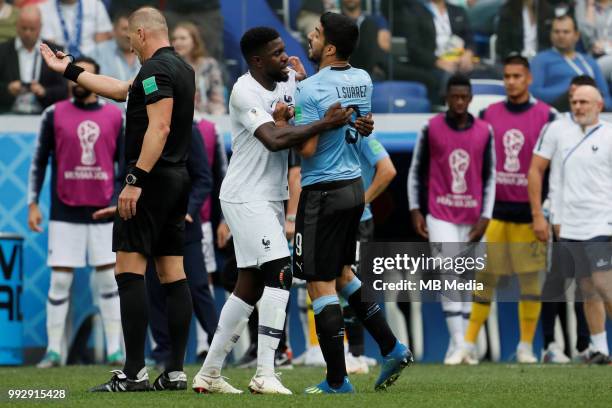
column 72, row 72
column 136, row 177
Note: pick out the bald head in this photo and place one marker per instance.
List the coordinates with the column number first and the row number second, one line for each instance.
column 148, row 19
column 587, row 103
column 28, row 26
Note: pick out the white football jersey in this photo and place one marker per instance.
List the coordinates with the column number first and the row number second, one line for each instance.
column 254, row 172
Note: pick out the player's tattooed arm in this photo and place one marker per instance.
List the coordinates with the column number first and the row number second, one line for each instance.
column 277, row 138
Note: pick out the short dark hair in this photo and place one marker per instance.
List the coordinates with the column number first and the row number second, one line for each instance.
column 566, row 16
column 88, row 60
column 341, row 32
column 458, row 80
column 583, row 80
column 515, row 58
column 255, row 39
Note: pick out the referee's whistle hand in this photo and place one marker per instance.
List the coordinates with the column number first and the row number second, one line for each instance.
column 127, row 201
column 55, row 61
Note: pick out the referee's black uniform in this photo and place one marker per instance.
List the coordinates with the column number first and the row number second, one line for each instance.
column 158, row 229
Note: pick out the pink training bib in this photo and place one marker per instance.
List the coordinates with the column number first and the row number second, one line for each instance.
column 455, row 170
column 516, row 134
column 85, row 146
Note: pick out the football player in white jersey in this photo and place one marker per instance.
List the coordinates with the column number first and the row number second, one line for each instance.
column 252, row 196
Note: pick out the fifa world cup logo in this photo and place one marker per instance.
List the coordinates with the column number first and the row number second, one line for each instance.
column 513, row 143
column 459, row 161
column 88, row 133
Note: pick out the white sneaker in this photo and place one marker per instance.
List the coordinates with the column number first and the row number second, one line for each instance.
column 268, row 384
column 355, row 365
column 553, row 354
column 205, row 384
column 583, row 356
column 525, row 355
column 314, row 357
column 462, row 355
column 371, row 362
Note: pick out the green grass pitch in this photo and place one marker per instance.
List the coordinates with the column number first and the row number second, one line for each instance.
column 421, row 385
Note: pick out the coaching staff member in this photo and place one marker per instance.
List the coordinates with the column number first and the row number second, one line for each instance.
column 150, row 219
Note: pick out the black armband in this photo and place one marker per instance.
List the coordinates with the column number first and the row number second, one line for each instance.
column 72, row 72
column 136, row 177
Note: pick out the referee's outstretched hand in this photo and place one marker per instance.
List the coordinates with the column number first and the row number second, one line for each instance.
column 127, row 201
column 54, row 60
column 337, row 116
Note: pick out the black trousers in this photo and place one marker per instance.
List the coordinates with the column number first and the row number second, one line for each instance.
column 203, row 303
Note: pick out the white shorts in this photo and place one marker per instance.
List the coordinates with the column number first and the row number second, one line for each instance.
column 73, row 245
column 444, row 231
column 258, row 229
column 208, row 247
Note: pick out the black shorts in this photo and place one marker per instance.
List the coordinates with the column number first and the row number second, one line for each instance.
column 158, row 229
column 365, row 233
column 326, row 224
column 586, row 257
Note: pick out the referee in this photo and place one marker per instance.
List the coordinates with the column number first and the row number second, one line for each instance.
column 150, row 218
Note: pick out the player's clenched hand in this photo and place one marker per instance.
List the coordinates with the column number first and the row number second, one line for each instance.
column 34, row 218
column 418, row 221
column 540, row 228
column 127, row 201
column 337, row 116
column 282, row 112
column 104, row 213
column 365, row 125
column 55, row 61
column 478, row 230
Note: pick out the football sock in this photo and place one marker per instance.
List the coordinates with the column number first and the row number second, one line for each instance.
column 179, row 309
column 272, row 315
column 232, row 321
column 549, row 317
column 370, row 315
column 354, row 331
column 57, row 308
column 110, row 310
column 134, row 320
column 201, row 338
column 529, row 312
column 330, row 330
column 582, row 328
column 479, row 315
column 600, row 343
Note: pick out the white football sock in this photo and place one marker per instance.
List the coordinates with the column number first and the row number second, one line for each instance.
column 57, row 308
column 600, row 343
column 108, row 301
column 201, row 338
column 233, row 319
column 272, row 315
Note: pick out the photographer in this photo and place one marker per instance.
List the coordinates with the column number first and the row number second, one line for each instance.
column 27, row 85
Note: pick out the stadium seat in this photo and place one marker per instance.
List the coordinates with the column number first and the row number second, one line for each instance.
column 400, row 97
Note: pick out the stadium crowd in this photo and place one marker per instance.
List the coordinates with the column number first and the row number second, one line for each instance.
column 546, row 52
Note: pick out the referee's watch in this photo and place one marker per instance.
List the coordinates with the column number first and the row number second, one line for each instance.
column 136, row 177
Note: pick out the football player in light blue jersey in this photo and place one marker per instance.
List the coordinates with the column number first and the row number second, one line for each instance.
column 331, row 205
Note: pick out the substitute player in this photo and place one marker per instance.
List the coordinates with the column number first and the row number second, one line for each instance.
column 331, row 204
column 84, row 137
column 584, row 151
column 252, row 196
column 153, row 203
column 514, row 248
column 452, row 180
